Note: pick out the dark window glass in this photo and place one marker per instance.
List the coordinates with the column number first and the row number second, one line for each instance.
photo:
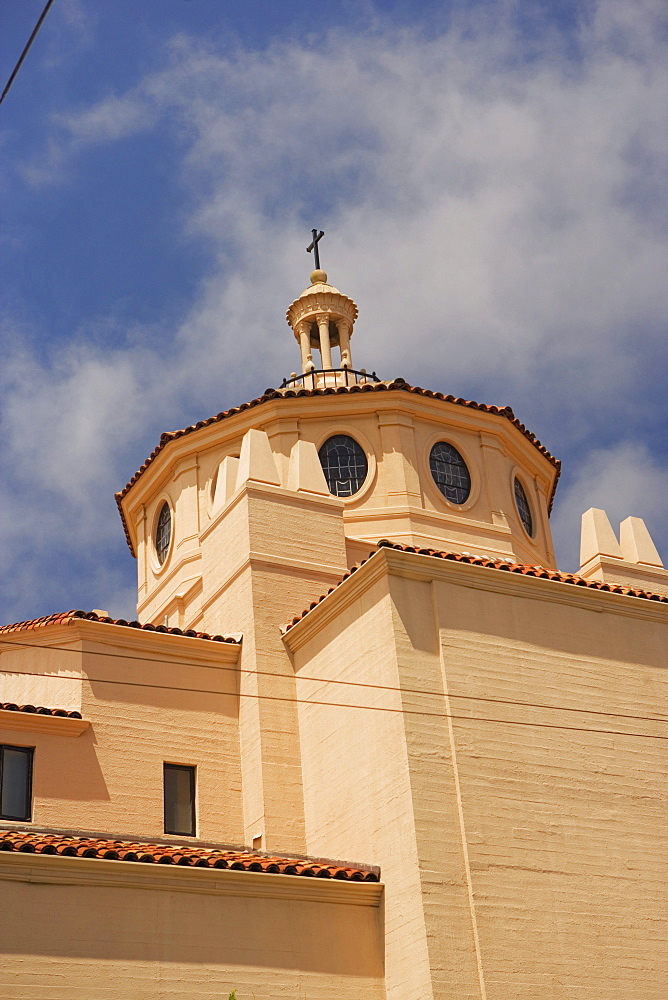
column 163, row 533
column 523, row 508
column 15, row 782
column 450, row 473
column 344, row 464
column 180, row 799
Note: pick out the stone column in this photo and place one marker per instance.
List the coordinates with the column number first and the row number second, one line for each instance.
column 325, row 346
column 305, row 345
column 344, row 326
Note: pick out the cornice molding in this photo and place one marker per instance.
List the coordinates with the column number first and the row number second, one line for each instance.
column 38, row 869
column 416, row 566
column 34, row 722
column 178, row 646
column 328, row 575
column 280, row 494
column 397, row 395
column 424, row 514
column 362, row 579
column 82, row 635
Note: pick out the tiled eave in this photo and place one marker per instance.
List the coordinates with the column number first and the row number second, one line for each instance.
column 136, row 855
column 371, row 567
column 274, row 396
column 39, row 869
column 71, row 617
column 31, row 718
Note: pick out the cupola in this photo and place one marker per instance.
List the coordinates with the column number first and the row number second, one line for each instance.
column 322, row 318
column 329, row 464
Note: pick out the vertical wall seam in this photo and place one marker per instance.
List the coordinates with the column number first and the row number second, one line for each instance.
column 460, row 808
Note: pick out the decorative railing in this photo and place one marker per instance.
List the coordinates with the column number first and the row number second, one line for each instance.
column 323, row 378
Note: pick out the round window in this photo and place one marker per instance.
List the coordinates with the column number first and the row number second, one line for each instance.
column 450, row 473
column 344, row 464
column 163, row 533
column 523, row 508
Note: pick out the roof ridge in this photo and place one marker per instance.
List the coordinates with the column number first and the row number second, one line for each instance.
column 63, row 713
column 507, row 565
column 389, row 385
column 193, row 855
column 66, row 617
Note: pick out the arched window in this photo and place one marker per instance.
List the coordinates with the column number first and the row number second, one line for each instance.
column 450, row 473
column 344, row 464
column 523, row 508
column 163, row 533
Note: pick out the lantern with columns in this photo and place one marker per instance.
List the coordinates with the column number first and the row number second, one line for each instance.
column 322, row 318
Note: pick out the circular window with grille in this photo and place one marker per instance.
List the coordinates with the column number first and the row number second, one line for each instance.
column 523, row 508
column 163, row 533
column 449, row 472
column 344, row 464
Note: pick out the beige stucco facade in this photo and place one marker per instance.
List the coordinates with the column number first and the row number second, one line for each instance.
column 517, row 753
column 489, row 732
column 398, row 500
column 89, row 930
column 145, row 698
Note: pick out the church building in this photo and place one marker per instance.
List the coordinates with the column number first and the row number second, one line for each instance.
column 364, row 738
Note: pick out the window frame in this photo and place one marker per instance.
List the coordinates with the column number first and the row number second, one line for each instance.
column 471, row 456
column 157, row 567
column 30, row 753
column 455, row 503
column 517, row 481
column 162, row 526
column 191, row 769
column 365, row 452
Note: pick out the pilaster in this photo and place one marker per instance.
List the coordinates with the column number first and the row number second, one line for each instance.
column 186, row 521
column 400, row 461
column 267, row 555
column 497, row 486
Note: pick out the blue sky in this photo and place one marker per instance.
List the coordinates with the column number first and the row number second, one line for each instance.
column 492, row 181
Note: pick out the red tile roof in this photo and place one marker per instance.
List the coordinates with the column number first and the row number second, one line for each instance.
column 9, row 706
column 274, row 395
column 67, row 617
column 525, row 569
column 314, row 604
column 33, row 842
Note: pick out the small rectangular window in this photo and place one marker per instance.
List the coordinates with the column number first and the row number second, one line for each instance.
column 180, row 799
column 15, row 782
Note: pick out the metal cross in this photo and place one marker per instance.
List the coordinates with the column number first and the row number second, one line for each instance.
column 317, row 236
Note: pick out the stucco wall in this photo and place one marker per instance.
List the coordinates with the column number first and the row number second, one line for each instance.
column 399, row 499
column 564, row 829
column 105, row 942
column 150, row 699
column 541, row 849
column 358, row 798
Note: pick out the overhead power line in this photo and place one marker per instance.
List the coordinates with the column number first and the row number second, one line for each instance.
column 28, row 44
column 337, row 704
column 365, row 708
column 303, row 677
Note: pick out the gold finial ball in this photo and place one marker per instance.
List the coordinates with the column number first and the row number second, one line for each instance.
column 318, row 277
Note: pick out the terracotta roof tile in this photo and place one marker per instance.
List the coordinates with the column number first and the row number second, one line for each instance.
column 274, row 395
column 34, row 842
column 67, row 617
column 314, row 604
column 10, row 706
column 525, row 569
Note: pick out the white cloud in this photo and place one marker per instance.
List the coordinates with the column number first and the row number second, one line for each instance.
column 113, row 118
column 494, row 216
column 623, row 480
column 496, row 207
